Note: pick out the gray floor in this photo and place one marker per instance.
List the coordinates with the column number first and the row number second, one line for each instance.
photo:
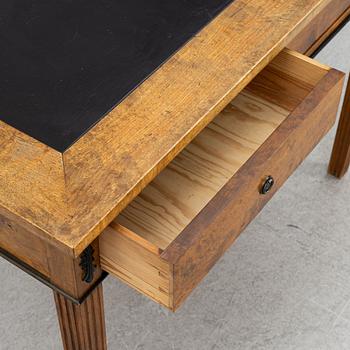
column 284, row 285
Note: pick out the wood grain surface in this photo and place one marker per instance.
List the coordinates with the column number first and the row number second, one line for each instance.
column 60, row 269
column 321, row 27
column 264, row 131
column 204, row 241
column 82, row 326
column 340, row 159
column 126, row 257
column 308, row 41
column 68, row 199
column 169, row 203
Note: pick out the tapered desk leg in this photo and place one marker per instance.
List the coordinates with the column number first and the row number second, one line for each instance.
column 340, row 159
column 82, row 326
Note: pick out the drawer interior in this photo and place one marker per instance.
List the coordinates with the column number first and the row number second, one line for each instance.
column 168, row 204
column 134, row 245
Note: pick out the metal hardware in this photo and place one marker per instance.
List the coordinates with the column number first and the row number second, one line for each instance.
column 43, row 279
column 268, row 184
column 87, row 264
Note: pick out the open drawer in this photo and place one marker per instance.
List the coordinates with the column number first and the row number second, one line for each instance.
column 169, row 237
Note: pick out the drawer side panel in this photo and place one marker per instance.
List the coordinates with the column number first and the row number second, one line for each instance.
column 134, row 264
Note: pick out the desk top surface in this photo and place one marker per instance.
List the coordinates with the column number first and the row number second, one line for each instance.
column 64, row 65
column 67, row 195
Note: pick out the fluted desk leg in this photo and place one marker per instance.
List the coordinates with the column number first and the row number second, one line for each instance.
column 82, row 326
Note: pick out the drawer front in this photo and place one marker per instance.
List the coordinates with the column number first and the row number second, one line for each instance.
column 170, row 236
column 205, row 240
column 321, row 27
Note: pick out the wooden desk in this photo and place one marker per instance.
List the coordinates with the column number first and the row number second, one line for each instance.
column 155, row 190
